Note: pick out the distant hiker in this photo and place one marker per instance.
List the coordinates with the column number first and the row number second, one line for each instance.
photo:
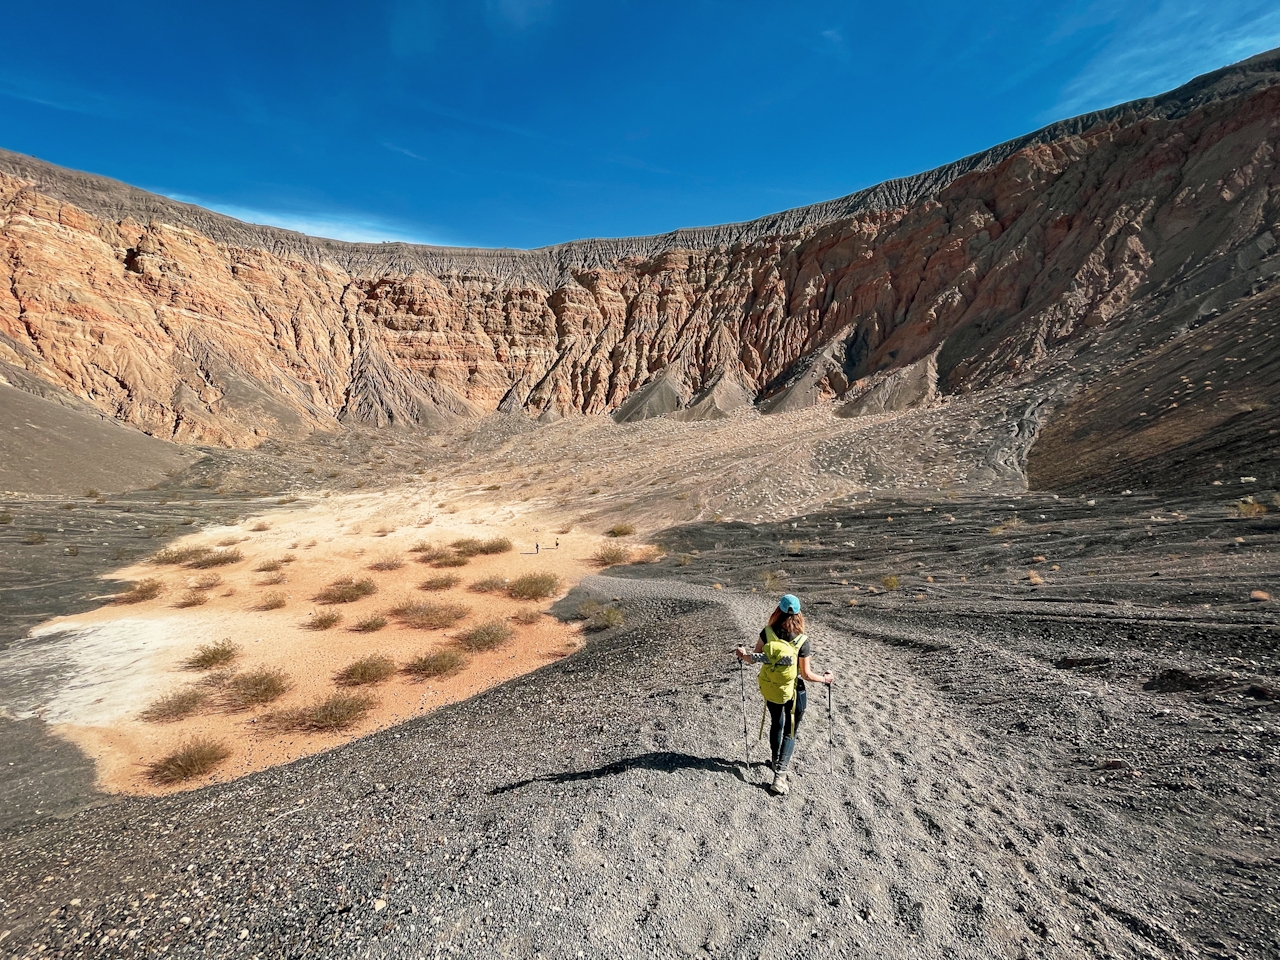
column 783, row 651
column 537, row 549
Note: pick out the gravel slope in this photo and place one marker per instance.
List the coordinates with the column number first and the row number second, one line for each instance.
column 982, row 801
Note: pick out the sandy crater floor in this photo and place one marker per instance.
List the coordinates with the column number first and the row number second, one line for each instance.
column 124, row 657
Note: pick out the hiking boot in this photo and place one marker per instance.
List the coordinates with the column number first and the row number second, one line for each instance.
column 780, row 784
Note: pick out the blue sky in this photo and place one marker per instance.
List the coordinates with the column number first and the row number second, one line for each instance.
column 528, row 122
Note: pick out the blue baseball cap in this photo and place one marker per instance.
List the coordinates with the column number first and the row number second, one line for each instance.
column 789, row 604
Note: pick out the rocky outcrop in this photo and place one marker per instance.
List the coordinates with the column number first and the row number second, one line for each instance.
column 199, row 328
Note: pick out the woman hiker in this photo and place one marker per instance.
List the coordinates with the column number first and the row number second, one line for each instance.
column 783, row 651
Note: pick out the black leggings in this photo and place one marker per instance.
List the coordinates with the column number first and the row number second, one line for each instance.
column 782, row 728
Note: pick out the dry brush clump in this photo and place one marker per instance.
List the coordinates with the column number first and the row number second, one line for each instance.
column 176, row 706
column 370, row 624
column 207, row 582
column 338, row 711
column 371, row 669
column 598, row 616
column 533, row 586
column 252, row 689
column 423, row 615
column 192, row 759
column 471, row 546
column 215, row 558
column 486, row 636
column 427, row 552
column 140, row 592
column 174, row 556
column 271, row 601
column 191, row 598
column 346, row 590
column 437, row 663
column 528, row 616
column 323, row 620
column 441, row 582
column 611, row 554
column 620, row 530
column 210, row 655
column 1248, row 507
column 451, row 560
column 268, row 566
column 387, row 561
column 489, row 585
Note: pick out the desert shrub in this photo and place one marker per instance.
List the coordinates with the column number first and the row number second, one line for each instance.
column 533, row 586
column 207, row 582
column 466, row 547
column 336, row 712
column 176, row 555
column 210, row 655
column 5, row 517
column 370, row 624
column 273, row 580
column 442, row 582
column 438, row 663
column 426, row 551
column 271, row 601
column 890, row 582
column 268, row 566
column 528, row 616
column 215, row 558
column 604, row 619
column 489, row 585
column 1249, row 508
column 34, row 538
column 231, row 541
column 192, row 759
column 773, row 579
column 141, row 591
column 175, row 706
column 254, row 688
column 323, row 620
column 611, row 554
column 451, row 560
column 260, row 526
column 422, row 615
column 346, row 590
column 192, row 598
column 371, row 669
column 620, row 530
column 683, row 559
column 486, row 636
column 387, row 561
column 496, row 545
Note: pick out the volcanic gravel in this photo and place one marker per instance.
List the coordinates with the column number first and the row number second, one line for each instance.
column 1081, row 767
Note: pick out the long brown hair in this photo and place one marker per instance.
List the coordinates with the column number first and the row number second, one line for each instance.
column 786, row 625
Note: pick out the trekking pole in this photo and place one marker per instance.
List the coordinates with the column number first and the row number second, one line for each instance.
column 742, row 686
column 830, row 722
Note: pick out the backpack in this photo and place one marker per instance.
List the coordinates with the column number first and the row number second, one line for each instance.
column 780, row 668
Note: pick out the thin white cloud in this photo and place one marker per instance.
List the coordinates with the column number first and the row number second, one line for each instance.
column 354, row 227
column 1165, row 46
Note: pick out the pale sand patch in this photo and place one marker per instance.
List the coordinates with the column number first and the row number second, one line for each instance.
column 117, row 660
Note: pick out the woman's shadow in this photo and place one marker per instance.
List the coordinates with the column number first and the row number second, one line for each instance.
column 665, row 761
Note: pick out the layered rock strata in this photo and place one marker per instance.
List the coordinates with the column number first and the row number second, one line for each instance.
column 195, row 327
